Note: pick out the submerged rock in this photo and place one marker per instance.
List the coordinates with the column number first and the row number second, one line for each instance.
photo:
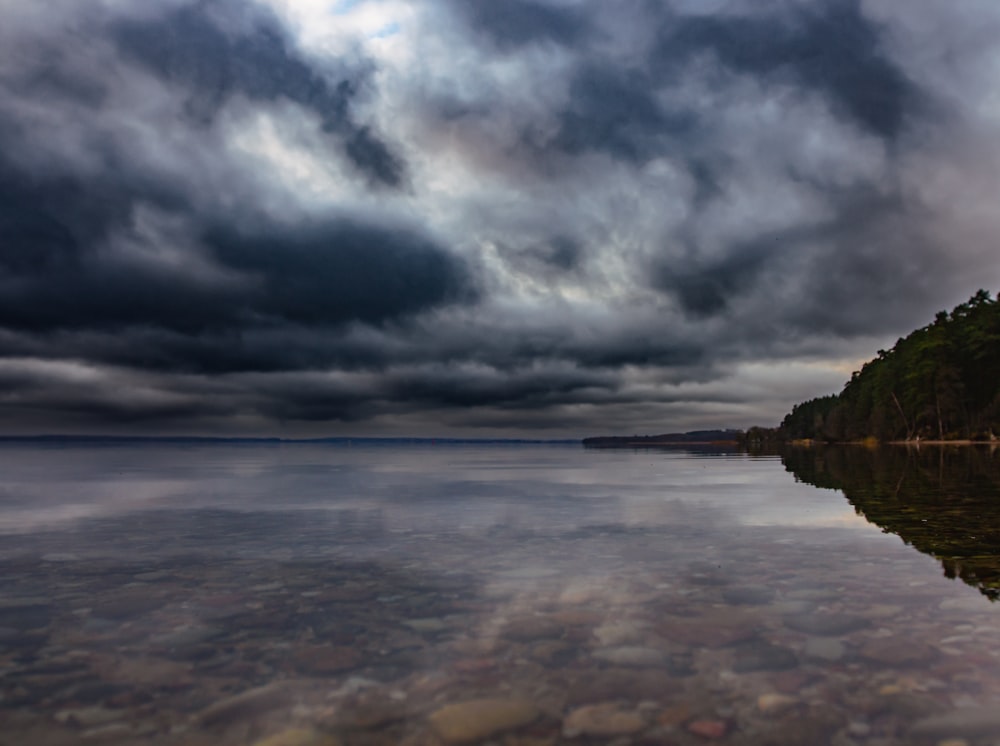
column 478, row 719
column 761, row 655
column 774, row 704
column 605, row 719
column 710, row 729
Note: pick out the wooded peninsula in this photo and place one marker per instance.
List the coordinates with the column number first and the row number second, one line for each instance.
column 940, row 383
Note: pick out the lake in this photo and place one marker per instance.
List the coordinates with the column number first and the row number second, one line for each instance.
column 306, row 595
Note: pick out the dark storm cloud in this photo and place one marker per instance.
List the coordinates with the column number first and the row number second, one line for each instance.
column 821, row 277
column 615, row 110
column 52, row 228
column 329, row 274
column 58, row 273
column 512, row 214
column 559, row 256
column 706, row 289
column 114, row 251
column 217, row 50
column 562, row 252
column 529, row 390
column 629, row 109
column 830, row 47
column 514, row 23
column 650, row 346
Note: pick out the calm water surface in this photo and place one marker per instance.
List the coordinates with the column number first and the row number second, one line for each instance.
column 303, row 595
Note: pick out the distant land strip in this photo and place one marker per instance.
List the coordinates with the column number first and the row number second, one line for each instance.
column 696, row 437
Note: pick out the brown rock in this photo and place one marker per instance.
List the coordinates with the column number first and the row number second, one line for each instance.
column 478, row 719
column 323, row 659
column 675, row 715
column 363, row 713
column 606, row 719
column 815, row 727
column 708, row 728
column 774, row 704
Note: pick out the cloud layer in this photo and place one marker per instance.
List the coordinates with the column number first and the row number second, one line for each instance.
column 528, row 217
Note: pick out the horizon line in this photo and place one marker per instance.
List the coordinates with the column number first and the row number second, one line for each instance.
column 263, row 439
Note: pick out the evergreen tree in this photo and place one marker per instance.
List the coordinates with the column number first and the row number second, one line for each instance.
column 941, row 382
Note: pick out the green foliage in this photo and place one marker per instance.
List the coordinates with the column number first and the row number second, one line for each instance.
column 942, row 382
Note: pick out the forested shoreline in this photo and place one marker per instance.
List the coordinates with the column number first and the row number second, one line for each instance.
column 941, row 382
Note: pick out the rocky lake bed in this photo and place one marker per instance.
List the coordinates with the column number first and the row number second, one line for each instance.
column 309, row 627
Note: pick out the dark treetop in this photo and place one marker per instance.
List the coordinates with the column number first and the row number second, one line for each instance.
column 942, row 382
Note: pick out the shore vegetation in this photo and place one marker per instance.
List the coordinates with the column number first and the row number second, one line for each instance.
column 941, row 383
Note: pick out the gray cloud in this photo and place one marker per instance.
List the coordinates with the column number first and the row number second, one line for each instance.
column 615, row 110
column 832, row 48
column 549, row 217
column 214, row 51
column 516, row 23
column 61, row 270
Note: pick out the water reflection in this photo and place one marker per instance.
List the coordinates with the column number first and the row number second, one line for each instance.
column 310, row 596
column 943, row 501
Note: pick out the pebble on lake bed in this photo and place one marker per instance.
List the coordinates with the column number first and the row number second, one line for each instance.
column 610, row 636
column 774, row 704
column 708, row 728
column 478, row 719
column 602, row 720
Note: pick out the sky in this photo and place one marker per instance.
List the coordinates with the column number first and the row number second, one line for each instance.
column 524, row 218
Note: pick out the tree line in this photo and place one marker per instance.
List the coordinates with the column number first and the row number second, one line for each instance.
column 942, row 382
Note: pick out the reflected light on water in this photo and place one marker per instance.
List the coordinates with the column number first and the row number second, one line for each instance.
column 305, row 595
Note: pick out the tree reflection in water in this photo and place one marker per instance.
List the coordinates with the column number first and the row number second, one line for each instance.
column 943, row 501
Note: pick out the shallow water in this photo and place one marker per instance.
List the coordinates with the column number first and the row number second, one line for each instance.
column 514, row 595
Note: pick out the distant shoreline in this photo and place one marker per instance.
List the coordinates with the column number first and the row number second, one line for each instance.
column 661, row 443
column 221, row 440
column 668, row 440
